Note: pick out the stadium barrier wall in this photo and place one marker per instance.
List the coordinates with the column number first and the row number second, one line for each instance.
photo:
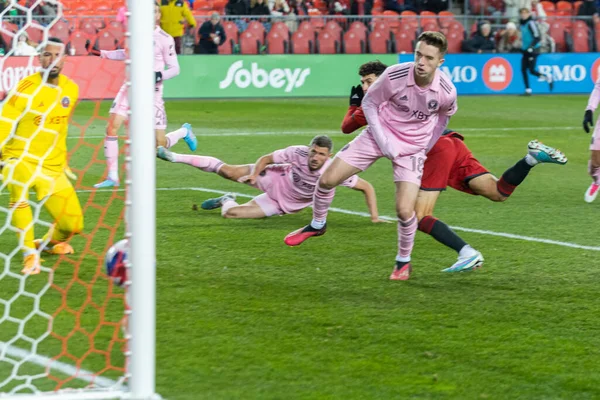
column 239, row 76
column 501, row 73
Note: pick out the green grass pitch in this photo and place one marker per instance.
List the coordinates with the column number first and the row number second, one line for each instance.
column 242, row 316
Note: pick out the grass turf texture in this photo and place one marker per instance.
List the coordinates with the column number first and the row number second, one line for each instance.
column 240, row 315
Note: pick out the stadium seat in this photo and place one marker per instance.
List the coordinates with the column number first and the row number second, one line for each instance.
column 378, row 42
column 249, row 43
column 409, row 19
column 226, row 47
column 307, row 29
column 282, row 29
column 430, row 26
column 548, row 6
column 576, row 6
column 316, row 20
column 564, row 6
column 455, row 40
column 60, row 30
column 427, row 17
column 579, row 25
column 557, row 31
column 277, row 42
column 118, row 34
column 302, row 43
column 335, row 29
column 358, row 26
column 219, row 6
column 353, row 42
column 457, row 27
column 258, row 30
column 446, row 18
column 87, row 27
column 403, row 42
column 106, row 41
column 327, row 43
column 77, row 42
column 231, row 31
column 202, row 5
column 35, row 32
column 381, row 26
column 581, row 40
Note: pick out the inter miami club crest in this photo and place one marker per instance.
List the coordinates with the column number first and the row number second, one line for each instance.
column 432, row 105
column 65, row 102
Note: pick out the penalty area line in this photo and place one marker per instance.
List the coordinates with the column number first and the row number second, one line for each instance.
column 364, row 214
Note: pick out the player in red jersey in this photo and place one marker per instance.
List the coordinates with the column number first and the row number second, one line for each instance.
column 451, row 163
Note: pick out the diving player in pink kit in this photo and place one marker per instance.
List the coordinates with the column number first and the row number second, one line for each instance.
column 287, row 177
column 407, row 110
column 594, row 163
column 164, row 56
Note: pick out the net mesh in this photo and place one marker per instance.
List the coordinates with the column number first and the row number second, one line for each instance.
column 61, row 329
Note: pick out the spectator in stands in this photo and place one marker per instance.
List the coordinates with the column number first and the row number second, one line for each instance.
column 510, row 39
column 279, row 7
column 212, row 35
column 339, row 7
column 259, row 7
column 588, row 9
column 394, row 5
column 23, row 48
column 433, row 5
column 3, row 46
column 173, row 15
column 237, row 7
column 482, row 41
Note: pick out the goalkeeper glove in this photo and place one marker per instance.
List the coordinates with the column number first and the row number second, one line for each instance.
column 588, row 120
column 356, row 95
column 157, row 77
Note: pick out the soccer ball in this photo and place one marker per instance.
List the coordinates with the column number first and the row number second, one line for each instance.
column 115, row 262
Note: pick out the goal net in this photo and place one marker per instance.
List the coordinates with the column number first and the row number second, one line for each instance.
column 63, row 327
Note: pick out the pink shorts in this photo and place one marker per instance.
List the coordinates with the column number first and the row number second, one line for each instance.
column 363, row 151
column 265, row 183
column 121, row 107
column 595, row 145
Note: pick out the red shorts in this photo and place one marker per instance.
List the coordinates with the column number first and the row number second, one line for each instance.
column 450, row 163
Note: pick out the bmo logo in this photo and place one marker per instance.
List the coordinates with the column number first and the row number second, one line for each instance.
column 595, row 72
column 497, row 73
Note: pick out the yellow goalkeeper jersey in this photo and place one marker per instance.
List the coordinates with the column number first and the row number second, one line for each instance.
column 34, row 121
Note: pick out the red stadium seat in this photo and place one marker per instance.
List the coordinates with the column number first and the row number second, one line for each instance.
column 381, row 26
column 379, row 43
column 360, row 27
column 302, row 43
column 231, row 30
column 576, row 6
column 579, row 25
column 257, row 30
column 455, row 40
column 335, row 29
column 427, row 17
column 307, row 29
column 87, row 27
column 404, row 42
column 106, row 41
column 430, row 26
column 564, row 6
column 282, row 29
column 548, row 6
column 77, row 42
column 61, row 31
column 557, row 31
column 457, row 27
column 249, row 43
column 581, row 40
column 446, row 18
column 226, row 47
column 353, row 42
column 276, row 42
column 327, row 43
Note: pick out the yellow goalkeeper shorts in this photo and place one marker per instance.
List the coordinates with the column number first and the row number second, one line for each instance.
column 21, row 176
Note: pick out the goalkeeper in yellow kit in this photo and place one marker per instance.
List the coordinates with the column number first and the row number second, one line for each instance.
column 33, row 142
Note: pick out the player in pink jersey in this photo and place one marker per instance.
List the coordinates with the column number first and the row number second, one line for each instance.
column 594, row 163
column 287, row 177
column 164, row 56
column 407, row 109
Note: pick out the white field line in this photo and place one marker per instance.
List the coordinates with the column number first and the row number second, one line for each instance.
column 364, row 214
column 65, row 368
column 223, row 133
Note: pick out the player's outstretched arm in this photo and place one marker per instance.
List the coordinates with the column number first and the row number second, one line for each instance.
column 259, row 167
column 370, row 198
column 171, row 62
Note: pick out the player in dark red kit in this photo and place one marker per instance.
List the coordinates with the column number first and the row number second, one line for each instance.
column 451, row 163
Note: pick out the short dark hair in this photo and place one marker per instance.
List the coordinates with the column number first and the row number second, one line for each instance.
column 322, row 141
column 435, row 39
column 372, row 67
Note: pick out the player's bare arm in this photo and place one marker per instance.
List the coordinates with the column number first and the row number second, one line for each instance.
column 259, row 167
column 370, row 198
